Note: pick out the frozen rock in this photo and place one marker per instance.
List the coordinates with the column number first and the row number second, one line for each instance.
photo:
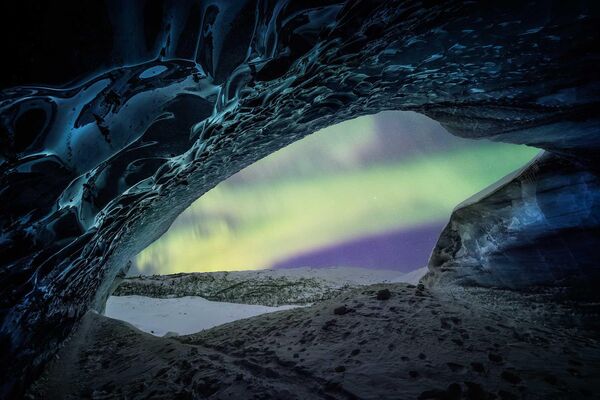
column 539, row 226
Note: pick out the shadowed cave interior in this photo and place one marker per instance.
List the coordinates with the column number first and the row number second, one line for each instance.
column 114, row 119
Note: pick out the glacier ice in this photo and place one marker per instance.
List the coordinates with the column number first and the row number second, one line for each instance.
column 114, row 118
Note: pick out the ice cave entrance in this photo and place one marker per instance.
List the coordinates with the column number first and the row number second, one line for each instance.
column 373, row 192
column 370, row 194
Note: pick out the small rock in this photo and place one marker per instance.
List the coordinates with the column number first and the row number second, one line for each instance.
column 342, row 310
column 383, row 294
column 476, row 391
column 477, row 367
column 434, row 394
column 329, row 324
column 454, row 367
column 454, row 391
column 504, row 395
column 511, row 377
column 332, row 385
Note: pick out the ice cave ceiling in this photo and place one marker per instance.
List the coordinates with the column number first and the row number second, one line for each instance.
column 116, row 115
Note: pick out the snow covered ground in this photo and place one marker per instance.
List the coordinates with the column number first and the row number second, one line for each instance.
column 183, row 315
column 190, row 314
column 447, row 343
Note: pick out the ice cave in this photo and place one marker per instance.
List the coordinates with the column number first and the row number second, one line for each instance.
column 115, row 116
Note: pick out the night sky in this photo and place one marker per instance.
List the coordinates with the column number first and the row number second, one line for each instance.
column 372, row 192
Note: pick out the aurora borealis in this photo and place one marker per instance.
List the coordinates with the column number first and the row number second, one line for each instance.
column 393, row 176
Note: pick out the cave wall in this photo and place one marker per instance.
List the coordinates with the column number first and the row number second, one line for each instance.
column 538, row 227
column 114, row 119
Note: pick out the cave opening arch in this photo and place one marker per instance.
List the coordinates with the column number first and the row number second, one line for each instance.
column 373, row 192
column 369, row 197
column 241, row 82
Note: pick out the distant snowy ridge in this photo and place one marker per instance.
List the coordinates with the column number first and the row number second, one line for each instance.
column 180, row 316
column 262, row 287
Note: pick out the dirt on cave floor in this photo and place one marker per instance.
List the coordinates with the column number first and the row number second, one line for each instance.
column 385, row 341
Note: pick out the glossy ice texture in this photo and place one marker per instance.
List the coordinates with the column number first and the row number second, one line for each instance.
column 116, row 116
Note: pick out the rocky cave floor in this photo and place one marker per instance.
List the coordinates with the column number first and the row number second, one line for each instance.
column 385, row 341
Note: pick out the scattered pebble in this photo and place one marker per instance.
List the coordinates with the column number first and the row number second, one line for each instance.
column 384, row 294
column 342, row 310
